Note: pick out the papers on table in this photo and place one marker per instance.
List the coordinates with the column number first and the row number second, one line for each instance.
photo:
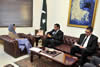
column 36, row 49
column 46, row 55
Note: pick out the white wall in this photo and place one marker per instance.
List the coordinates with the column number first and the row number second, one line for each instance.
column 4, row 30
column 57, row 13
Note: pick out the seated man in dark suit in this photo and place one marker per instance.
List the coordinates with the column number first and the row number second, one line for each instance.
column 86, row 45
column 54, row 37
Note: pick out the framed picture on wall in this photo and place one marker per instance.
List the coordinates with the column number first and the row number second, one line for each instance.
column 82, row 13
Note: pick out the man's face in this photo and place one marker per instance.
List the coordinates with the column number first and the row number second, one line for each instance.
column 55, row 27
column 88, row 32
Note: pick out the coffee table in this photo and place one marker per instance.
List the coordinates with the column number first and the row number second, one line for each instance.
column 62, row 58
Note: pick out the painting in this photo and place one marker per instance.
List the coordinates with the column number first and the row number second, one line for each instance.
column 82, row 13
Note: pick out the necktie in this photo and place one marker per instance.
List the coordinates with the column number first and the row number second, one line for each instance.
column 84, row 41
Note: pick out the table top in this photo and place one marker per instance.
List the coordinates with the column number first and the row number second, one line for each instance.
column 63, row 58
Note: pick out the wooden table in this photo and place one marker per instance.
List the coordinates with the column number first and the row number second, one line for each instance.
column 61, row 58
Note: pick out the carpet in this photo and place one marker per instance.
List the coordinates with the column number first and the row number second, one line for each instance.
column 42, row 62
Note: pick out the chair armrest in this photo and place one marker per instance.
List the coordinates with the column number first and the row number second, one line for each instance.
column 31, row 39
column 12, row 43
column 44, row 37
column 11, row 47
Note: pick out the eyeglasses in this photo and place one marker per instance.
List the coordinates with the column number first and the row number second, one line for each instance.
column 87, row 32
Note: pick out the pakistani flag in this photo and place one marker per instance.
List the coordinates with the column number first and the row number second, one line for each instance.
column 43, row 24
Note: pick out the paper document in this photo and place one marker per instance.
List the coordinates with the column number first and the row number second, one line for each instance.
column 35, row 49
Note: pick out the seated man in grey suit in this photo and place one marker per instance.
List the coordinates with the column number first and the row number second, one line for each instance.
column 95, row 61
column 86, row 45
column 54, row 37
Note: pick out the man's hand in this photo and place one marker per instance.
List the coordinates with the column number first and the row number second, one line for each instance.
column 48, row 35
column 78, row 45
column 81, row 47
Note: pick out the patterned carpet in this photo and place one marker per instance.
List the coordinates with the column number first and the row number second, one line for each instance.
column 42, row 62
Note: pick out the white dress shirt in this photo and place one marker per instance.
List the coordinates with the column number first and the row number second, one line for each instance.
column 55, row 32
column 86, row 42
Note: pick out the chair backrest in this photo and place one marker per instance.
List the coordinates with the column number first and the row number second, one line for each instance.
column 69, row 40
column 21, row 35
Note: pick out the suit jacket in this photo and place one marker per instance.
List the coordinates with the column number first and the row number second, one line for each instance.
column 92, row 43
column 58, row 36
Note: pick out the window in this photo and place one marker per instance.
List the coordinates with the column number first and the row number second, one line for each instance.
column 17, row 12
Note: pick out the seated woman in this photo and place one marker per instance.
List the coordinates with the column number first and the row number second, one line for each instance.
column 22, row 42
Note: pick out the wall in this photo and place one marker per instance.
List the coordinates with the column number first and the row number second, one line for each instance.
column 57, row 13
column 4, row 30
